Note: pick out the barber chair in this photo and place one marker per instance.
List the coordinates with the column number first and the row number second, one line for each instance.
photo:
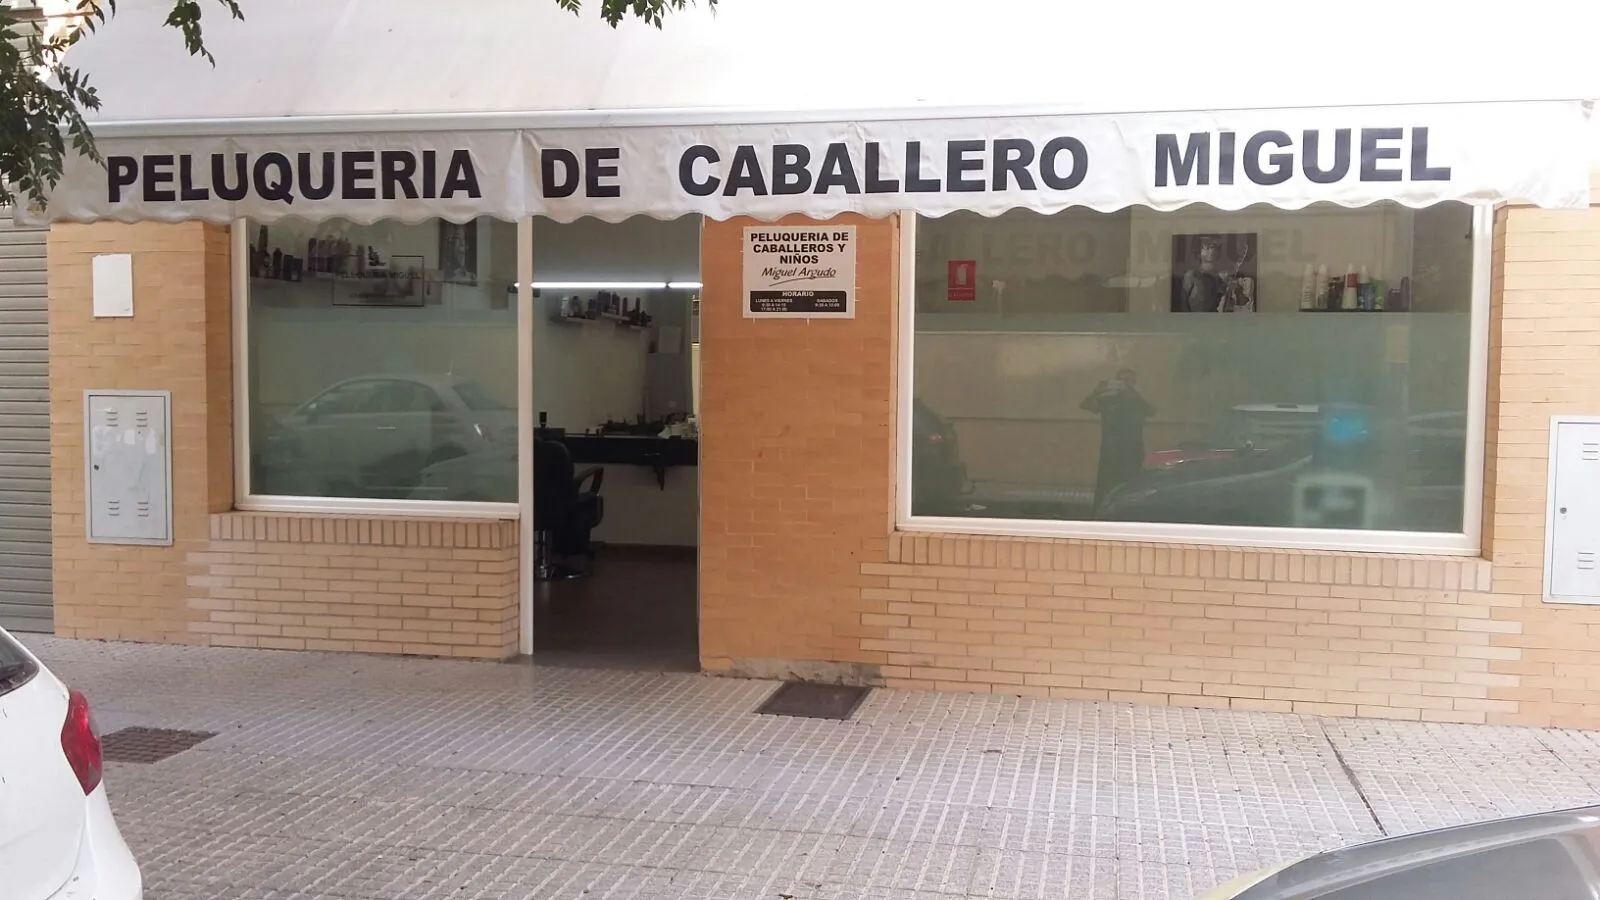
column 567, row 506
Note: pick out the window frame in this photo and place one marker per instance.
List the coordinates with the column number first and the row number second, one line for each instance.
column 245, row 501
column 1467, row 542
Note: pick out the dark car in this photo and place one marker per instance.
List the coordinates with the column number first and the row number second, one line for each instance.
column 1255, row 486
column 938, row 476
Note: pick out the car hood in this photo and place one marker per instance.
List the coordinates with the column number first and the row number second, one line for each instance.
column 1458, row 862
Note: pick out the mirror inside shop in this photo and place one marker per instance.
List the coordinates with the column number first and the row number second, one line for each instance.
column 383, row 366
column 1260, row 367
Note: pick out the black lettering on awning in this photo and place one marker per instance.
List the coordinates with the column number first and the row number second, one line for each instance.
column 232, row 193
column 1194, row 165
column 686, row 171
column 838, row 171
column 558, row 172
column 460, row 177
column 1311, row 161
column 600, row 163
column 398, row 170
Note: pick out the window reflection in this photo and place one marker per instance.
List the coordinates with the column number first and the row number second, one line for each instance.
column 383, row 360
column 1091, row 377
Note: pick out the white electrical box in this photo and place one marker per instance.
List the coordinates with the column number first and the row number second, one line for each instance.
column 128, row 466
column 1572, row 512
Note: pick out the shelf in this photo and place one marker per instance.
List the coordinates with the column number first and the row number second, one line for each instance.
column 1379, row 311
column 615, row 321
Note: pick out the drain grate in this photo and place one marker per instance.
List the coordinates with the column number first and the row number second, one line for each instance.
column 148, row 745
column 814, row 701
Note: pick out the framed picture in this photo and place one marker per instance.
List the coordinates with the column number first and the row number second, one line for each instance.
column 1214, row 273
column 458, row 253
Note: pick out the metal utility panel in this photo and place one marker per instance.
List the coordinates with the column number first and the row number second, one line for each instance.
column 129, row 466
column 1572, row 512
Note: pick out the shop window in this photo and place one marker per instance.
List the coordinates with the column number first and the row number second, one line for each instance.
column 383, row 360
column 1101, row 373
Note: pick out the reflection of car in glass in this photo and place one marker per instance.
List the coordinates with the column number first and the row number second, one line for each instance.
column 938, row 476
column 1553, row 855
column 372, row 436
column 489, row 476
column 1198, row 452
column 1254, row 486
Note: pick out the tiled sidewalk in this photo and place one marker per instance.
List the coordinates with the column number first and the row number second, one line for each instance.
column 361, row 777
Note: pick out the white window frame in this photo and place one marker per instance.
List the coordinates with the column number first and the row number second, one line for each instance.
column 1467, row 542
column 244, row 500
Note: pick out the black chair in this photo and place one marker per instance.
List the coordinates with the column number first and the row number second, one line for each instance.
column 567, row 506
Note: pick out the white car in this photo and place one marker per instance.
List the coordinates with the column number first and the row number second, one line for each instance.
column 58, row 840
column 372, row 436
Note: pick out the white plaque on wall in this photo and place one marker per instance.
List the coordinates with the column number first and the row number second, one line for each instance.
column 112, row 285
column 799, row 272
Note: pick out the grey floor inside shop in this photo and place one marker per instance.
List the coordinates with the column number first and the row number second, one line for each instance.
column 637, row 611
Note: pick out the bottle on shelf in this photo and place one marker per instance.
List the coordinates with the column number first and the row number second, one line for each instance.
column 1308, row 289
column 1364, row 290
column 1347, row 297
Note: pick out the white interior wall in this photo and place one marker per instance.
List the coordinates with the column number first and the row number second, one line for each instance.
column 586, row 374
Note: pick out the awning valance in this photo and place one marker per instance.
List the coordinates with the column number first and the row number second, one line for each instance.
column 405, row 109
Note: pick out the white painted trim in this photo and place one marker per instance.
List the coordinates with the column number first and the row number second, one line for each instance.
column 525, row 535
column 239, row 280
column 1236, row 537
column 906, row 306
column 358, row 506
column 1546, row 591
column 1467, row 542
column 1478, row 374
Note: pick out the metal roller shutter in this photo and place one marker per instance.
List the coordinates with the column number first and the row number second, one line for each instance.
column 24, row 430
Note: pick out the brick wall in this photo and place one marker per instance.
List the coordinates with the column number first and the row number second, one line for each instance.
column 796, row 463
column 181, row 316
column 419, row 586
column 1425, row 638
column 385, row 585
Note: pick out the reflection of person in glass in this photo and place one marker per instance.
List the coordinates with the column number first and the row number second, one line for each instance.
column 1122, row 411
column 1203, row 285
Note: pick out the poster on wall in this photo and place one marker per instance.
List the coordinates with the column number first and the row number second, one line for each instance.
column 961, row 281
column 1214, row 272
column 799, row 272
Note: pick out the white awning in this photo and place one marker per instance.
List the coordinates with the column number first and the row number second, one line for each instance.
column 409, row 109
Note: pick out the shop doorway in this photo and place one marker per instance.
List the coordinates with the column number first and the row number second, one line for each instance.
column 615, row 466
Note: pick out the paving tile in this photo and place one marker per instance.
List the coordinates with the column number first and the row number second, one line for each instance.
column 358, row 778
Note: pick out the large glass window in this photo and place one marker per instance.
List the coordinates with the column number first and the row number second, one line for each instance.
column 383, row 360
column 1264, row 367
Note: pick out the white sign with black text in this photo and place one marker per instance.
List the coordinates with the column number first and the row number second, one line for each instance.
column 799, row 272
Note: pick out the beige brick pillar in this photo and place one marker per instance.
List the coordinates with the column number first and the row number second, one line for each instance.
column 796, row 465
column 179, row 339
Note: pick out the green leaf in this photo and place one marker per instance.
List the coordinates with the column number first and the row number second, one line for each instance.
column 43, row 100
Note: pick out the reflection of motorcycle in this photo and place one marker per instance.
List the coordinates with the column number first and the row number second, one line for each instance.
column 1196, row 452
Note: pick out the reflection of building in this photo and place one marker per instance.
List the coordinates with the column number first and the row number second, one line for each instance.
column 1195, row 587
